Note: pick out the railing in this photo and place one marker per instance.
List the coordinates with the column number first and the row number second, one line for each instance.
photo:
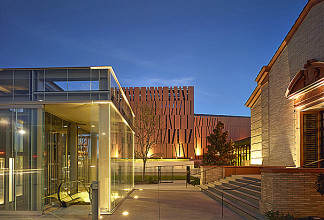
column 70, row 191
column 228, row 189
column 205, row 174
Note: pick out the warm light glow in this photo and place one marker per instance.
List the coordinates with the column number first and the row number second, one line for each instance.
column 103, row 133
column 135, row 197
column 93, row 166
column 256, row 161
column 126, row 189
column 140, row 189
column 22, row 131
column 125, row 213
column 40, row 100
column 3, row 121
column 65, row 126
column 150, row 153
column 100, row 217
column 198, row 151
column 93, row 126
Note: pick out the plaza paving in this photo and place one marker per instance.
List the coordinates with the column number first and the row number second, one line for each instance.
column 155, row 201
column 170, row 201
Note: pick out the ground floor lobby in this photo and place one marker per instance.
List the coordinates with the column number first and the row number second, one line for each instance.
column 52, row 152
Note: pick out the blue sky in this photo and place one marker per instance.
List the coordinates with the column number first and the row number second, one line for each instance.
column 217, row 46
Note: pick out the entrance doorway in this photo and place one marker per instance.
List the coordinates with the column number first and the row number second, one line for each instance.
column 68, row 142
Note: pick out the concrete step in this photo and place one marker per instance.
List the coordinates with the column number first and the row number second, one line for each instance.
column 245, row 190
column 241, row 210
column 236, row 199
column 243, row 199
column 256, row 181
column 250, row 195
column 250, row 186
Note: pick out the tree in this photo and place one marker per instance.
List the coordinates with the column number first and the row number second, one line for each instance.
column 219, row 151
column 146, row 133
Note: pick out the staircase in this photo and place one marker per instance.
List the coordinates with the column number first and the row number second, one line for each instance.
column 243, row 200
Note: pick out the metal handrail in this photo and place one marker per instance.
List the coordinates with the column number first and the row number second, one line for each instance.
column 313, row 162
column 204, row 171
column 233, row 189
column 59, row 189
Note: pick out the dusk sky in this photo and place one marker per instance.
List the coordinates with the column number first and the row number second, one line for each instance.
column 217, row 46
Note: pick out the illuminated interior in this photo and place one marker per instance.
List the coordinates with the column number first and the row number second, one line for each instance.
column 61, row 129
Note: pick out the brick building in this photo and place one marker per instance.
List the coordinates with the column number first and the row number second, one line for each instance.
column 286, row 106
column 183, row 133
column 287, row 115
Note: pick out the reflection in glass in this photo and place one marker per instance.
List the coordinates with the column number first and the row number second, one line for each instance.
column 65, row 128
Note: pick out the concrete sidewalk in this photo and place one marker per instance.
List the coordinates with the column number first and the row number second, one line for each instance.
column 170, row 201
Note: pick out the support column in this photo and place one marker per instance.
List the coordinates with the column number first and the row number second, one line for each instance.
column 93, row 164
column 74, row 154
column 104, row 168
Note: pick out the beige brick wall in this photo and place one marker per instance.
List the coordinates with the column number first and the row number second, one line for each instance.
column 280, row 147
column 291, row 192
column 265, row 124
column 209, row 174
column 256, row 133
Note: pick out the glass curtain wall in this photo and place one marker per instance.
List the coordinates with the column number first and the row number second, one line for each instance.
column 73, row 127
column 21, row 159
column 121, row 140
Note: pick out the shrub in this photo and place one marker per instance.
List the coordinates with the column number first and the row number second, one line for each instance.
column 276, row 215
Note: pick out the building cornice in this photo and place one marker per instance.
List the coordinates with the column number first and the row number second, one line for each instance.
column 262, row 77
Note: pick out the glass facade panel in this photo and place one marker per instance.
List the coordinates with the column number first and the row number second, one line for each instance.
column 21, row 159
column 6, row 85
column 66, row 133
column 121, row 141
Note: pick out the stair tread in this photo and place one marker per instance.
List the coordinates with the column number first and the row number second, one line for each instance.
column 254, row 205
column 241, row 183
column 247, row 189
column 232, row 203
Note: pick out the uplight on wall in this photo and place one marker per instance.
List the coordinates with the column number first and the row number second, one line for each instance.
column 150, row 153
column 198, row 151
column 256, row 161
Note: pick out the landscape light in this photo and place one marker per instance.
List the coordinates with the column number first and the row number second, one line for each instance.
column 135, row 197
column 125, row 213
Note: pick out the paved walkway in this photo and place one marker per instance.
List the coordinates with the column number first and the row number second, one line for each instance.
column 156, row 201
column 170, row 201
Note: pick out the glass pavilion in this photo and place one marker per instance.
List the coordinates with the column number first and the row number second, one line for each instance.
column 61, row 129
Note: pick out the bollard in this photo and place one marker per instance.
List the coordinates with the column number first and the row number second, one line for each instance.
column 94, row 188
column 188, row 176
